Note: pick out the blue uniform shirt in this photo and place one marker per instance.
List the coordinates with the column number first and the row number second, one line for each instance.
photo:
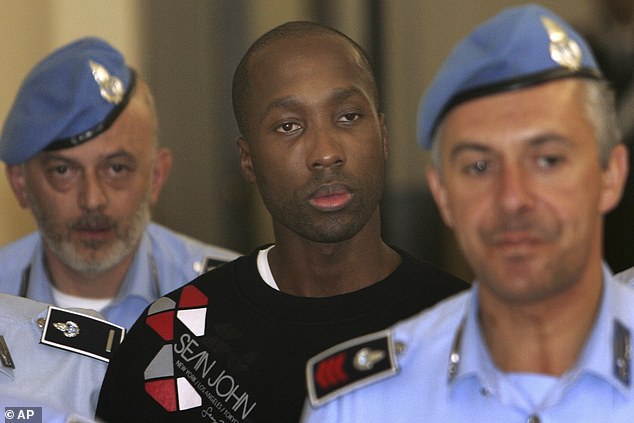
column 423, row 389
column 59, row 381
column 163, row 262
column 626, row 276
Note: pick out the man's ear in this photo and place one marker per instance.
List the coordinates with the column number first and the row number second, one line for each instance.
column 440, row 195
column 15, row 176
column 246, row 163
column 614, row 176
column 160, row 172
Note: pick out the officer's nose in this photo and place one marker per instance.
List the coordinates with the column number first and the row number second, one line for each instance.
column 514, row 189
column 92, row 195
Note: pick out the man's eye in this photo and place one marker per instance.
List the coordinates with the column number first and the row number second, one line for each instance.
column 60, row 171
column 288, row 127
column 478, row 167
column 549, row 161
column 350, row 117
column 117, row 168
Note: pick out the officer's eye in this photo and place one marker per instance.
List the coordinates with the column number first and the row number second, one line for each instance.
column 549, row 161
column 117, row 168
column 61, row 170
column 477, row 167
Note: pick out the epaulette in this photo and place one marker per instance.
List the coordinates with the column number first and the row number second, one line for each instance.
column 349, row 366
column 80, row 333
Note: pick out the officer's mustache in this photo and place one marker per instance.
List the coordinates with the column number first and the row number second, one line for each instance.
column 93, row 222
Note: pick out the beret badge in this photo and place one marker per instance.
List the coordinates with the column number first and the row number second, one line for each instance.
column 563, row 50
column 110, row 87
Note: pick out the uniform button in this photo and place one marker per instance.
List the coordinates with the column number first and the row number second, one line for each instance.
column 533, row 419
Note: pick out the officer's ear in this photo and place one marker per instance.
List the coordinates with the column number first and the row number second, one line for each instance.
column 614, row 177
column 439, row 193
column 15, row 176
column 246, row 163
column 162, row 167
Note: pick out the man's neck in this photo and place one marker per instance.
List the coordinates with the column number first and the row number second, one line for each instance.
column 545, row 337
column 104, row 284
column 310, row 269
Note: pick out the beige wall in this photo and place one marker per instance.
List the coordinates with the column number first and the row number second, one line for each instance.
column 31, row 29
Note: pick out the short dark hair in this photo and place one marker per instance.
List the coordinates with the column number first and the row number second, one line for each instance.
column 294, row 29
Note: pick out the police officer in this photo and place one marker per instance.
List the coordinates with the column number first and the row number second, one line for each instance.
column 52, row 360
column 527, row 160
column 80, row 145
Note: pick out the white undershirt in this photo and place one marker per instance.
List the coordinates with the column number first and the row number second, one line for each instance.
column 264, row 269
column 73, row 301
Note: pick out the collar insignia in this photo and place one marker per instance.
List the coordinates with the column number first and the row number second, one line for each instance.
column 70, row 329
column 98, row 338
column 5, row 355
column 622, row 353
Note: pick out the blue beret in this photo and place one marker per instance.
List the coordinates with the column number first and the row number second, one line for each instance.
column 519, row 47
column 68, row 98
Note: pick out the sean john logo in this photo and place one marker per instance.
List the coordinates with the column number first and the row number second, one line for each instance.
column 197, row 376
column 218, row 384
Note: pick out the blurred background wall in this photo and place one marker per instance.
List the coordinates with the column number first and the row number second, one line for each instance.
column 187, row 51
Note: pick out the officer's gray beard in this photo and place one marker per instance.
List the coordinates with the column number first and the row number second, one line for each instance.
column 78, row 257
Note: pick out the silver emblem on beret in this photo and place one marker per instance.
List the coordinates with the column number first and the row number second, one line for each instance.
column 70, row 328
column 563, row 50
column 110, row 87
column 365, row 358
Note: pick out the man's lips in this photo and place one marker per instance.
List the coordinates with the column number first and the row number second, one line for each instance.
column 331, row 197
column 94, row 232
column 94, row 227
column 516, row 240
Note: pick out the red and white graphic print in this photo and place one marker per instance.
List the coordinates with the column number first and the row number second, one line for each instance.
column 171, row 392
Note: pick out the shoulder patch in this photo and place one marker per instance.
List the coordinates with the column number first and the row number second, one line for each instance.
column 349, row 366
column 81, row 333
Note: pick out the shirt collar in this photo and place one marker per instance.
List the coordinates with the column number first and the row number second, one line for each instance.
column 597, row 357
column 600, row 352
column 35, row 281
column 141, row 279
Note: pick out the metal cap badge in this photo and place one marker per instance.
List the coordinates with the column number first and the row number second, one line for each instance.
column 110, row 87
column 563, row 50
